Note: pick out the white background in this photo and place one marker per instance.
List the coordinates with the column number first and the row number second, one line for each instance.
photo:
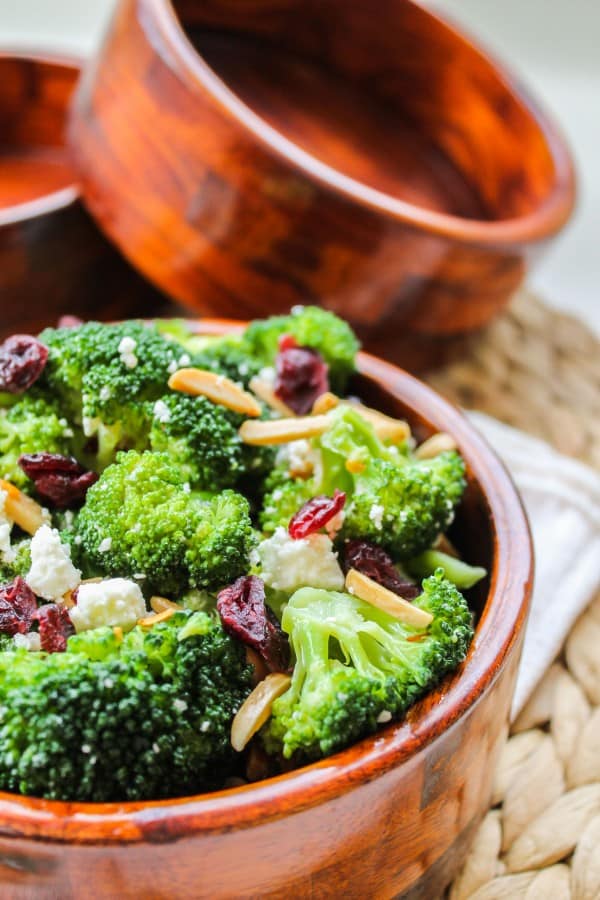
column 553, row 45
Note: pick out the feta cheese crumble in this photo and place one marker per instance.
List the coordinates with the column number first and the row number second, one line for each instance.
column 376, row 515
column 7, row 554
column 116, row 602
column 384, row 716
column 31, row 642
column 127, row 348
column 300, row 458
column 162, row 412
column 52, row 573
column 105, row 545
column 288, row 564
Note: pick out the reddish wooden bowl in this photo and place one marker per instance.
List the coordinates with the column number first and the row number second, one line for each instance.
column 391, row 816
column 53, row 259
column 247, row 155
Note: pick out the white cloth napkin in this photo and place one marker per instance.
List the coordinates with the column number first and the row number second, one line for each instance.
column 562, row 499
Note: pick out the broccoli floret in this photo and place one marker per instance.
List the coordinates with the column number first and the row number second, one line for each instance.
column 393, row 499
column 104, row 375
column 313, row 327
column 356, row 666
column 20, row 565
column 32, row 425
column 224, row 355
column 455, row 570
column 201, row 437
column 145, row 719
column 141, row 519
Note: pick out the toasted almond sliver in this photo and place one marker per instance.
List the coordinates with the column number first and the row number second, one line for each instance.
column 149, row 621
column 436, row 444
column 386, row 427
column 218, row 388
column 281, row 431
column 24, row 511
column 265, row 392
column 161, row 604
column 324, row 403
column 355, row 466
column 256, row 708
column 368, row 590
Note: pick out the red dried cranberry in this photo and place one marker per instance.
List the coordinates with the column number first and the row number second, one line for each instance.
column 55, row 627
column 286, row 342
column 58, row 479
column 315, row 514
column 246, row 616
column 18, row 606
column 22, row 361
column 69, row 322
column 301, row 377
column 374, row 562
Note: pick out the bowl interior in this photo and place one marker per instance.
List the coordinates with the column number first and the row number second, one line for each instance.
column 397, row 101
column 35, row 167
column 491, row 530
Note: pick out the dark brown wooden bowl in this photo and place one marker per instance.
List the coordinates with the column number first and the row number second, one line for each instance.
column 247, row 155
column 391, row 816
column 53, row 259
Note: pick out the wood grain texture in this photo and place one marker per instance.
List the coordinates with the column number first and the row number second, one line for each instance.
column 391, row 816
column 53, row 259
column 312, row 151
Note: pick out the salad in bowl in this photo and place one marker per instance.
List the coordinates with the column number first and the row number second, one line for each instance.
column 216, row 564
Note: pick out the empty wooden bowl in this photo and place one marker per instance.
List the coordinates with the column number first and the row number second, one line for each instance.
column 391, row 816
column 53, row 259
column 248, row 155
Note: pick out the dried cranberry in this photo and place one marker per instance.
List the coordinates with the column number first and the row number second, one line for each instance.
column 22, row 361
column 374, row 562
column 55, row 627
column 246, row 616
column 69, row 322
column 286, row 342
column 301, row 377
column 18, row 606
column 58, row 479
column 315, row 514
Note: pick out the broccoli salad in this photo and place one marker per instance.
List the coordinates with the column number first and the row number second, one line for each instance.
column 215, row 563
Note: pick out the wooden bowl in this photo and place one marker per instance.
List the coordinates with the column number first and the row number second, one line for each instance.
column 248, row 155
column 392, row 815
column 53, row 259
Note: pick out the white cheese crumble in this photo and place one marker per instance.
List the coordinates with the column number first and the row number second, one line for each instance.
column 31, row 642
column 384, row 716
column 162, row 412
column 52, row 573
column 288, row 564
column 105, row 545
column 184, row 360
column 116, row 602
column 180, row 705
column 300, row 457
column 105, row 393
column 172, row 367
column 268, row 375
column 7, row 554
column 127, row 348
column 376, row 515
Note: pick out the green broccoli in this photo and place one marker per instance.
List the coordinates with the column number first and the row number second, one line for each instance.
column 455, row 570
column 21, row 563
column 33, row 424
column 313, row 327
column 356, row 666
column 104, row 375
column 393, row 499
column 141, row 519
column 148, row 718
column 224, row 355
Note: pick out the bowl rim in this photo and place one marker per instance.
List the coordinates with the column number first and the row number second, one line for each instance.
column 54, row 201
column 548, row 218
column 498, row 630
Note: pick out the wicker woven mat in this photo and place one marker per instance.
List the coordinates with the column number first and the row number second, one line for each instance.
column 539, row 370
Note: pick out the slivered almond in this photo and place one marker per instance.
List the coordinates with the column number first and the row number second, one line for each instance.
column 324, row 403
column 149, row 621
column 282, row 431
column 24, row 511
column 265, row 392
column 368, row 590
column 161, row 604
column 355, row 466
column 386, row 428
column 436, row 444
column 256, row 708
column 218, row 388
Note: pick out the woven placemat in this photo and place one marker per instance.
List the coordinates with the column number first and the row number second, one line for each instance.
column 539, row 370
